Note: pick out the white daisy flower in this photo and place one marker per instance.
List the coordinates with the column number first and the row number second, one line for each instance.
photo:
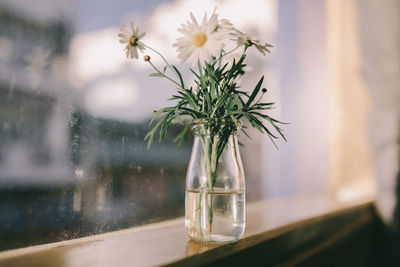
column 131, row 37
column 226, row 26
column 245, row 39
column 200, row 42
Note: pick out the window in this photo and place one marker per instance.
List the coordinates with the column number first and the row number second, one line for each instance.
column 74, row 113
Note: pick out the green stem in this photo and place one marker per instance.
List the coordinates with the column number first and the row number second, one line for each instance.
column 234, row 49
column 214, row 159
column 162, row 74
column 208, row 195
column 202, row 192
column 166, row 62
column 210, row 167
column 198, row 215
column 220, row 59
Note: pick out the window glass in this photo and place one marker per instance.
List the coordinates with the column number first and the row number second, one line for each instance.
column 74, row 112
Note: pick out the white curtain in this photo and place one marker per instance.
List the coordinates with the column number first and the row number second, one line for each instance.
column 380, row 40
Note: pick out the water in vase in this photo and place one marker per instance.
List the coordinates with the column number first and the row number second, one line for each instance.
column 217, row 216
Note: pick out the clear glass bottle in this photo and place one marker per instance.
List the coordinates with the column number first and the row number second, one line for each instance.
column 215, row 184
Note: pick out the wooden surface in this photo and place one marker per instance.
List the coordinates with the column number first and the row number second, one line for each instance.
column 166, row 243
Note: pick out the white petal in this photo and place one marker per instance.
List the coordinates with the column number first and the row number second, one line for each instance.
column 141, row 46
column 195, row 58
column 204, row 22
column 194, row 20
column 187, row 54
column 128, row 54
column 184, row 31
column 125, row 30
column 122, row 35
column 132, row 28
column 134, row 53
column 124, row 39
column 212, row 23
column 260, row 49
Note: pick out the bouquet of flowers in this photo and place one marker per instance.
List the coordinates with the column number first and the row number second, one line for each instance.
column 216, row 101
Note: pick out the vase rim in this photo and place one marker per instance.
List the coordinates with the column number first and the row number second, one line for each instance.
column 206, row 127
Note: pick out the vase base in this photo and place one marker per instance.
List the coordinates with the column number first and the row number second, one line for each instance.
column 215, row 239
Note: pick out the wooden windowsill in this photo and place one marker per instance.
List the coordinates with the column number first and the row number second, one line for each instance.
column 166, row 243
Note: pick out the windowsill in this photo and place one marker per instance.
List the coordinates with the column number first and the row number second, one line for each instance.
column 166, row 242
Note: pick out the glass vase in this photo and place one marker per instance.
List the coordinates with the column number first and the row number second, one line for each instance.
column 215, row 184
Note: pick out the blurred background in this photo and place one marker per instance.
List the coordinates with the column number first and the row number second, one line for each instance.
column 74, row 111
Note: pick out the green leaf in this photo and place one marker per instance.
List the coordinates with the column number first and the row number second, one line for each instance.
column 255, row 92
column 156, row 74
column 189, row 97
column 180, row 138
column 150, row 135
column 158, row 113
column 180, row 76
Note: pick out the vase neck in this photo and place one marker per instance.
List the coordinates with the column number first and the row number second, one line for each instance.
column 211, row 129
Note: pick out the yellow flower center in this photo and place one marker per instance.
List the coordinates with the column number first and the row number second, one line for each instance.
column 133, row 40
column 199, row 39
